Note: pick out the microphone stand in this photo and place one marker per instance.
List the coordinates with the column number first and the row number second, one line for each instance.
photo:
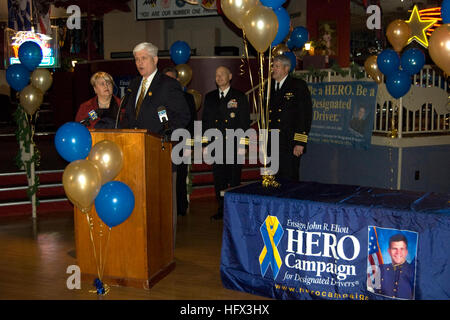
column 165, row 135
column 123, row 103
column 162, row 143
column 118, row 111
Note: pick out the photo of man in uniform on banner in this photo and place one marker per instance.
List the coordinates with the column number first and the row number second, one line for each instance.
column 359, row 121
column 391, row 262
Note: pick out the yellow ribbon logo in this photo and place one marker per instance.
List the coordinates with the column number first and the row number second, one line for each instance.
column 272, row 233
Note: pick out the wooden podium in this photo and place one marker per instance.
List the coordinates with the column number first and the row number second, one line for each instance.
column 140, row 250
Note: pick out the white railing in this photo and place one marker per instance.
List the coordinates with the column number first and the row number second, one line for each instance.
column 426, row 107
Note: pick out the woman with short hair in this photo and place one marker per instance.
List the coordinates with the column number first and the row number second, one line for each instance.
column 102, row 110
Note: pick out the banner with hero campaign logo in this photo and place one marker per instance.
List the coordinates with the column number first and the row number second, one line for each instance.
column 343, row 113
column 316, row 255
column 315, row 260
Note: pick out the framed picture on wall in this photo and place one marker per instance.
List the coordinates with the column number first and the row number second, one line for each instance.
column 328, row 37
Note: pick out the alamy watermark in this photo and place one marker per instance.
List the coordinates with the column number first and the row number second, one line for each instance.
column 374, row 20
column 228, row 148
column 74, row 20
column 74, row 280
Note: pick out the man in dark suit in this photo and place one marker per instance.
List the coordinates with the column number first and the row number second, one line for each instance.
column 290, row 111
column 182, row 168
column 226, row 108
column 151, row 90
column 145, row 94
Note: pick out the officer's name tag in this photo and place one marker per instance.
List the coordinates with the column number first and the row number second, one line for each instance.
column 288, row 95
column 232, row 104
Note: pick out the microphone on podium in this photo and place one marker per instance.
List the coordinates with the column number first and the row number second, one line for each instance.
column 92, row 115
column 164, row 119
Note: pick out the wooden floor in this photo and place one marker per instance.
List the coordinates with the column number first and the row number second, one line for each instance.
column 34, row 258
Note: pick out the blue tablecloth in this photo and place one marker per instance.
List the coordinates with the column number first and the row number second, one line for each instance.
column 308, row 240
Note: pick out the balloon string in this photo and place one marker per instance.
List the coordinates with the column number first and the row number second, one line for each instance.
column 250, row 74
column 101, row 288
column 89, row 220
column 242, row 65
column 268, row 179
column 394, row 131
column 269, row 81
column 255, row 107
column 106, row 251
column 264, row 123
column 100, row 239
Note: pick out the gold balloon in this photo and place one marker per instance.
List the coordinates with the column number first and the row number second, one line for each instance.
column 280, row 49
column 398, row 32
column 372, row 70
column 41, row 79
column 261, row 27
column 82, row 183
column 197, row 98
column 31, row 99
column 184, row 74
column 235, row 10
column 439, row 47
column 108, row 157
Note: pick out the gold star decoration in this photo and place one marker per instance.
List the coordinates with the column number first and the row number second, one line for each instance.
column 419, row 27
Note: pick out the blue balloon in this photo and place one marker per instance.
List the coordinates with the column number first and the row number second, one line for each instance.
column 293, row 59
column 445, row 11
column 17, row 76
column 284, row 22
column 398, row 83
column 73, row 141
column 412, row 61
column 299, row 37
column 180, row 52
column 30, row 55
column 114, row 203
column 388, row 61
column 274, row 4
column 290, row 44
